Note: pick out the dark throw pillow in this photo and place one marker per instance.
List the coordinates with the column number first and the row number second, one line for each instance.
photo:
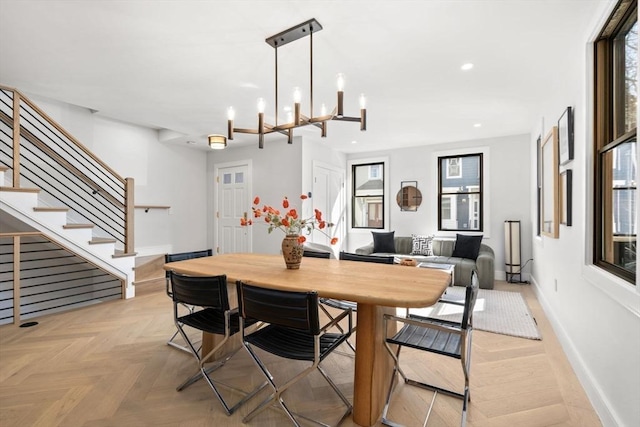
column 383, row 243
column 467, row 246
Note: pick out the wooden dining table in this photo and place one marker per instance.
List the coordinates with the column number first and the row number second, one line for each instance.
column 376, row 288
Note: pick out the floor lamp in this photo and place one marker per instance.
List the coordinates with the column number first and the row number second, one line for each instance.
column 512, row 251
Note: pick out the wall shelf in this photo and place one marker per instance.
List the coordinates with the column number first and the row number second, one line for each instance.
column 147, row 207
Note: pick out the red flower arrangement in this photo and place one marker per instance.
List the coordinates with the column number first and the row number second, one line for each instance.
column 289, row 221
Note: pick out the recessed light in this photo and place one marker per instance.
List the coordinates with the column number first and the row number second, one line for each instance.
column 477, row 125
column 467, row 66
column 354, row 142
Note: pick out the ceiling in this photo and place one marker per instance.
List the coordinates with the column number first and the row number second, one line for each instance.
column 177, row 65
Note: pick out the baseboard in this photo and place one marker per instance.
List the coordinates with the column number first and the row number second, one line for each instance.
column 598, row 400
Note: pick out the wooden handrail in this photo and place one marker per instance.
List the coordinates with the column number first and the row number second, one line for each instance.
column 19, row 130
column 62, row 131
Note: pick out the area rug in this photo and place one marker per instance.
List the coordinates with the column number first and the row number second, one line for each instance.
column 500, row 312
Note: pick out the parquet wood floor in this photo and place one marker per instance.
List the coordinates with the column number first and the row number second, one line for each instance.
column 108, row 365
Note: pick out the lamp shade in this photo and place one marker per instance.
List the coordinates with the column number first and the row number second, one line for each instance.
column 217, row 142
column 513, row 262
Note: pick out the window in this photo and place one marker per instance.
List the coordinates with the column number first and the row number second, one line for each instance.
column 460, row 193
column 367, row 210
column 615, row 108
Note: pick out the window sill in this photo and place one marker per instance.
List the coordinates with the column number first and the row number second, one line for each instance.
column 619, row 290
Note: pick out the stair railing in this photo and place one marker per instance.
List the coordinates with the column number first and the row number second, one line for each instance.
column 41, row 153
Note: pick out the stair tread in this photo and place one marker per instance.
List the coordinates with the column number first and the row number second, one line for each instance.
column 50, row 209
column 67, row 226
column 99, row 240
column 20, row 189
column 124, row 255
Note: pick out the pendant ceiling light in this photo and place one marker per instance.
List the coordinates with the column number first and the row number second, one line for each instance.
column 298, row 119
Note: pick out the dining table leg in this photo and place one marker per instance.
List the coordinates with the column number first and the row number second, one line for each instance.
column 373, row 366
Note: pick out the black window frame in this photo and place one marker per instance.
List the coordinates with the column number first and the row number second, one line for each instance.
column 480, row 192
column 609, row 126
column 354, row 197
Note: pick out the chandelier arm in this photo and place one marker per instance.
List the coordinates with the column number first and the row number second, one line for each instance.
column 347, row 119
column 267, row 129
column 321, row 118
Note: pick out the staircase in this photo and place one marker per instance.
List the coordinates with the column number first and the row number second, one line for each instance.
column 22, row 204
column 62, row 209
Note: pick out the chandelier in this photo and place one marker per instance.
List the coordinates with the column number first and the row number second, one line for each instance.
column 298, row 119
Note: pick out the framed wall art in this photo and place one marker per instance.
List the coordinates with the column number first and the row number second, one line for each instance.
column 566, row 195
column 549, row 223
column 565, row 136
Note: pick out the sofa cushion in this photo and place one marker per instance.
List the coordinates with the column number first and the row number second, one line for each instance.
column 383, row 242
column 442, row 247
column 421, row 245
column 467, row 246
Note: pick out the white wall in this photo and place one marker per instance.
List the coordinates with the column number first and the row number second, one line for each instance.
column 507, row 164
column 163, row 174
column 595, row 315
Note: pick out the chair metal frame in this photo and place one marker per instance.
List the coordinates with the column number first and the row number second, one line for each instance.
column 293, row 317
column 429, row 334
column 210, row 294
column 181, row 257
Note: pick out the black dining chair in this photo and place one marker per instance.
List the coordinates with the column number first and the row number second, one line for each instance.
column 210, row 312
column 350, row 305
column 292, row 331
column 181, row 257
column 348, row 256
column 446, row 338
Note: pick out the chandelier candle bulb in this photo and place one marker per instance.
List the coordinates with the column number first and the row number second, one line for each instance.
column 261, row 104
column 340, row 82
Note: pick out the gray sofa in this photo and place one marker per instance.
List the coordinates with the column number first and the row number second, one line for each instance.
column 442, row 251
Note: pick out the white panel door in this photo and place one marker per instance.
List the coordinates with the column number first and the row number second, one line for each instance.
column 233, row 204
column 328, row 196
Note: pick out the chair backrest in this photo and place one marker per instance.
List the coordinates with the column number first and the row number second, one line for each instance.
column 186, row 255
column 204, row 291
column 316, row 254
column 348, row 256
column 296, row 310
column 470, row 299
